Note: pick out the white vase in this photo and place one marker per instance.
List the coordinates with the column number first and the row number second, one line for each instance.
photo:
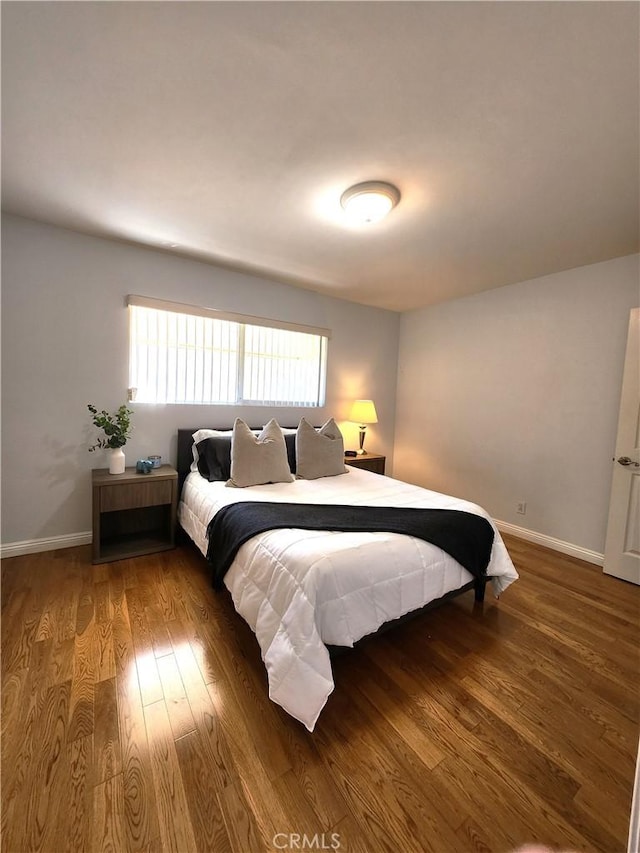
column 116, row 461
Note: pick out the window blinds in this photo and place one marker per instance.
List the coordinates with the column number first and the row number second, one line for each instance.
column 185, row 354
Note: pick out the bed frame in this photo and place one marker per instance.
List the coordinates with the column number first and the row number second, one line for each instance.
column 185, row 458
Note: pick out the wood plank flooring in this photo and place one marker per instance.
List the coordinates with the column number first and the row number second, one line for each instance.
column 135, row 717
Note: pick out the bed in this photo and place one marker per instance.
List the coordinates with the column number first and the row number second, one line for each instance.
column 302, row 590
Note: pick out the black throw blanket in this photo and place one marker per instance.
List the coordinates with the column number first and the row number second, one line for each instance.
column 468, row 538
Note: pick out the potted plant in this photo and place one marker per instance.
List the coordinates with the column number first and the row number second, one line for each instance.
column 117, row 431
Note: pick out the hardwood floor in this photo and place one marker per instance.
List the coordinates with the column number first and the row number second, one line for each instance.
column 135, row 716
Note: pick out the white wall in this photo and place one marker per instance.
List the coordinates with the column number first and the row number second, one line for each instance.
column 64, row 344
column 512, row 395
column 504, row 396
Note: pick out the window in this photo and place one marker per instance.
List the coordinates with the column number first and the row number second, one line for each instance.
column 184, row 354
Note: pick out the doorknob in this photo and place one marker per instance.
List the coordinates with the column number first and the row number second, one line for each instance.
column 625, row 460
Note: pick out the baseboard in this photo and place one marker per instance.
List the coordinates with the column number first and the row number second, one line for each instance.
column 551, row 542
column 71, row 540
column 50, row 543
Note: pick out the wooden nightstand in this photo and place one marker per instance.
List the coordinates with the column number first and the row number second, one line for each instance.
column 133, row 514
column 368, row 461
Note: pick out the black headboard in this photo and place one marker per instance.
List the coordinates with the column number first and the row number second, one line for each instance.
column 185, row 454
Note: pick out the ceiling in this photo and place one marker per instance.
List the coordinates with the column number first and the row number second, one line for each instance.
column 228, row 131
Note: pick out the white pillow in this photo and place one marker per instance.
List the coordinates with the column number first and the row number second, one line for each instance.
column 319, row 453
column 200, row 435
column 258, row 460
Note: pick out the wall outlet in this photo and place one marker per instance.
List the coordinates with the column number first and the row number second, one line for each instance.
column 521, row 507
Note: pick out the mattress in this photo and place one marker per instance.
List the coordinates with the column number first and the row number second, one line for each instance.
column 302, row 589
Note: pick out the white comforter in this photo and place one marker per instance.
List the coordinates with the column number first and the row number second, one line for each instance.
column 299, row 589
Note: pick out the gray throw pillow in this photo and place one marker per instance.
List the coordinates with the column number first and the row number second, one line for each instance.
column 258, row 460
column 319, row 453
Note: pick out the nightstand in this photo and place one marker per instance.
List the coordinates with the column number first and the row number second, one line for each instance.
column 133, row 514
column 368, row 461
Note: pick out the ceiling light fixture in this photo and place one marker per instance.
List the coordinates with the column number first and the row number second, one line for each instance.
column 369, row 201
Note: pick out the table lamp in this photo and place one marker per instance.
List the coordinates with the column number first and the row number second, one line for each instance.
column 363, row 412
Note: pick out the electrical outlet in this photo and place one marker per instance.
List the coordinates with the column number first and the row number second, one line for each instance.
column 521, row 507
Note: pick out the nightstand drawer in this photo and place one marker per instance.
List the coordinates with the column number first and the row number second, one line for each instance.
column 368, row 461
column 135, row 495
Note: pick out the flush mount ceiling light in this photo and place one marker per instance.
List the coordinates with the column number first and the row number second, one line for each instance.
column 369, row 201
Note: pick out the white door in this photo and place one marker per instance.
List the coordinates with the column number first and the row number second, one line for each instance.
column 622, row 549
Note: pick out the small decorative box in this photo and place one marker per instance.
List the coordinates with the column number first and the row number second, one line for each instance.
column 156, row 461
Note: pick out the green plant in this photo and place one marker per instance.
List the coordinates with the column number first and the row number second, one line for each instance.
column 116, row 427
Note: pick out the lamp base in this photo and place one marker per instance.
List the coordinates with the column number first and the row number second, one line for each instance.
column 363, row 429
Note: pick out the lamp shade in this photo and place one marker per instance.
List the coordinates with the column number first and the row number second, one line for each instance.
column 363, row 412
